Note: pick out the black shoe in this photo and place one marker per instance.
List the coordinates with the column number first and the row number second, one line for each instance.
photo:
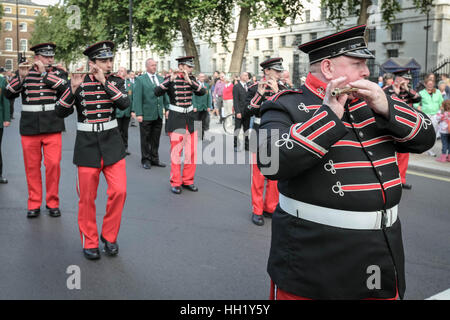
column 190, row 187
column 33, row 213
column 158, row 164
column 53, row 212
column 257, row 219
column 267, row 214
column 111, row 249
column 176, row 190
column 3, row 180
column 91, row 254
column 146, row 165
column 406, row 186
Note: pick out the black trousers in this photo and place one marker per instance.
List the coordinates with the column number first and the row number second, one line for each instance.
column 123, row 124
column 1, row 160
column 11, row 107
column 245, row 124
column 150, row 132
column 203, row 116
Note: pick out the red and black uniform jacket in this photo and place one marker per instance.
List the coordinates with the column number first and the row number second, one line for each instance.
column 38, row 90
column 344, row 164
column 180, row 95
column 96, row 104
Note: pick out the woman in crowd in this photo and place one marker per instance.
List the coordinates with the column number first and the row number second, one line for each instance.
column 443, row 118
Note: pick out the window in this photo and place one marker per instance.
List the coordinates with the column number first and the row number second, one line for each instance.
column 8, row 64
column 37, row 12
column 214, row 48
column 371, row 64
column 270, row 43
column 307, row 15
column 246, row 46
column 255, row 66
column 392, row 53
column 8, row 26
column 23, row 45
column 8, row 44
column 323, row 13
column 313, row 35
column 8, row 10
column 244, row 64
column 214, row 64
column 23, row 27
column 23, row 11
column 297, row 40
column 372, row 35
column 282, row 41
column 222, row 62
column 257, row 44
column 396, row 32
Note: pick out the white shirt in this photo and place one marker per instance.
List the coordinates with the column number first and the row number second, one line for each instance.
column 153, row 76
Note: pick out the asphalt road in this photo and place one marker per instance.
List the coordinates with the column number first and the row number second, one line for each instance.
column 189, row 246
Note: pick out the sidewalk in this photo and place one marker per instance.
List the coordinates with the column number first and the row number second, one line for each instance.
column 417, row 162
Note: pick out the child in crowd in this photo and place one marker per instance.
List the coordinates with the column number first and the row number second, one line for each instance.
column 443, row 118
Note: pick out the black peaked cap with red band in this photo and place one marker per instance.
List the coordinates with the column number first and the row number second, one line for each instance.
column 44, row 49
column 100, row 50
column 273, row 63
column 189, row 61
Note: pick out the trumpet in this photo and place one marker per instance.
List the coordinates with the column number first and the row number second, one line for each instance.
column 339, row 91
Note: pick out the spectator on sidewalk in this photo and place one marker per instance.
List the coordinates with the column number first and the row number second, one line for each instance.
column 202, row 105
column 218, row 96
column 286, row 80
column 227, row 98
column 443, row 118
column 444, row 89
column 123, row 116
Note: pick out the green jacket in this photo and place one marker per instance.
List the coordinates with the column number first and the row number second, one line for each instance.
column 127, row 112
column 202, row 102
column 430, row 103
column 145, row 103
column 4, row 103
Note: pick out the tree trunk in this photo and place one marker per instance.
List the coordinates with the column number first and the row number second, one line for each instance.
column 364, row 15
column 241, row 39
column 188, row 41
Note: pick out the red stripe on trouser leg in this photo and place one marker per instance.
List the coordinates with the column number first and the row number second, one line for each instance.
column 260, row 202
column 52, row 145
column 116, row 177
column 278, row 294
column 32, row 158
column 402, row 160
column 178, row 141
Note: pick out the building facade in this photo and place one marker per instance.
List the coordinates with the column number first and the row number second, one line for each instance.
column 17, row 27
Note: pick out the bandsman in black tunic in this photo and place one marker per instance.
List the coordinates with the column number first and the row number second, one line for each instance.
column 336, row 233
column 98, row 146
column 180, row 87
column 40, row 85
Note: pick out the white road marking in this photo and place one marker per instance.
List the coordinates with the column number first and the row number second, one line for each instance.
column 444, row 295
column 426, row 175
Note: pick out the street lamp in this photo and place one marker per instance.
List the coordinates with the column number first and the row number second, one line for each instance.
column 130, row 36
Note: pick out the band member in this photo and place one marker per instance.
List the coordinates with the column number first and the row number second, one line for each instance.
column 336, row 231
column 98, row 146
column 123, row 116
column 40, row 85
column 180, row 86
column 257, row 94
column 400, row 89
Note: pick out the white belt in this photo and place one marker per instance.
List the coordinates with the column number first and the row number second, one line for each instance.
column 38, row 107
column 257, row 120
column 361, row 220
column 180, row 109
column 96, row 127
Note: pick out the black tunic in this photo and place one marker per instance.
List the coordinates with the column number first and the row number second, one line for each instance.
column 96, row 104
column 347, row 164
column 180, row 94
column 38, row 90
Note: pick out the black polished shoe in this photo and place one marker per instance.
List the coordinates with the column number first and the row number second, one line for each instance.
column 91, row 254
column 406, row 186
column 3, row 180
column 53, row 212
column 33, row 213
column 190, row 187
column 158, row 164
column 176, row 190
column 111, row 249
column 257, row 219
column 267, row 214
column 146, row 165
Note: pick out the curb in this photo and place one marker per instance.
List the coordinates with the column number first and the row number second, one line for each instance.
column 426, row 169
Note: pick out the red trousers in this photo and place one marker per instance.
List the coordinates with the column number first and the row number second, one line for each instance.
column 49, row 145
column 178, row 141
column 259, row 203
column 88, row 178
column 402, row 160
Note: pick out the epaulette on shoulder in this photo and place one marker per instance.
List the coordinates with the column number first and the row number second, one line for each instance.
column 284, row 92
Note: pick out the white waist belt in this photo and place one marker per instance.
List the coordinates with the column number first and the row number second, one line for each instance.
column 38, row 107
column 257, row 120
column 180, row 109
column 361, row 220
column 96, row 127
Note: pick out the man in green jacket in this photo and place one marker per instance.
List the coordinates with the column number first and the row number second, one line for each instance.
column 149, row 111
column 123, row 116
column 4, row 121
column 202, row 105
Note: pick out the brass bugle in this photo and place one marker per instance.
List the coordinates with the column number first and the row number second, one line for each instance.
column 339, row 91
